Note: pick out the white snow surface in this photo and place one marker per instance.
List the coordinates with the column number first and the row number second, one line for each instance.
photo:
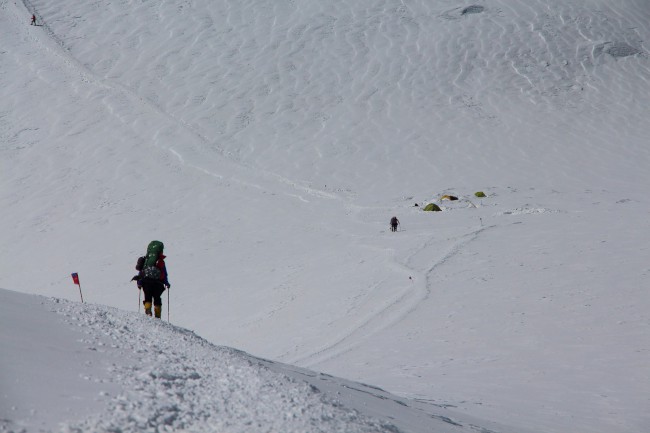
column 91, row 368
column 267, row 143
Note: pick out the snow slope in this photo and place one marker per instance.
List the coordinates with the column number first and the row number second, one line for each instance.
column 119, row 371
column 268, row 143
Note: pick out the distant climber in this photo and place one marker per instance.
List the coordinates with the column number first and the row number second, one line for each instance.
column 394, row 222
column 33, row 23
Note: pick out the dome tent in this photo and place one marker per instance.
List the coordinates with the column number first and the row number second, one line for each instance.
column 432, row 207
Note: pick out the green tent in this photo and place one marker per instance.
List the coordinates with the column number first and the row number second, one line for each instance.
column 432, row 207
column 479, row 194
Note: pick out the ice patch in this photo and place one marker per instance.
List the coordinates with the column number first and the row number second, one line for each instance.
column 460, row 12
column 617, row 49
column 474, row 9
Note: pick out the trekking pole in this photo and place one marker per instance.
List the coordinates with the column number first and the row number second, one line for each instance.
column 168, row 305
column 139, row 297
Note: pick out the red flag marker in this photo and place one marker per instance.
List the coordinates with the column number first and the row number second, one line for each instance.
column 75, row 280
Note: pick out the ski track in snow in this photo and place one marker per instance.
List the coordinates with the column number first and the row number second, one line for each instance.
column 396, row 309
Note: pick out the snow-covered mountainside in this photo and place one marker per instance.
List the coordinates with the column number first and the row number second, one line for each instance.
column 269, row 142
column 76, row 367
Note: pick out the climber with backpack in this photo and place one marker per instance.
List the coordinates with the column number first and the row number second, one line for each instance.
column 152, row 277
column 394, row 222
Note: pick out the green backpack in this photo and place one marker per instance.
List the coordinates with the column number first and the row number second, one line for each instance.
column 149, row 269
